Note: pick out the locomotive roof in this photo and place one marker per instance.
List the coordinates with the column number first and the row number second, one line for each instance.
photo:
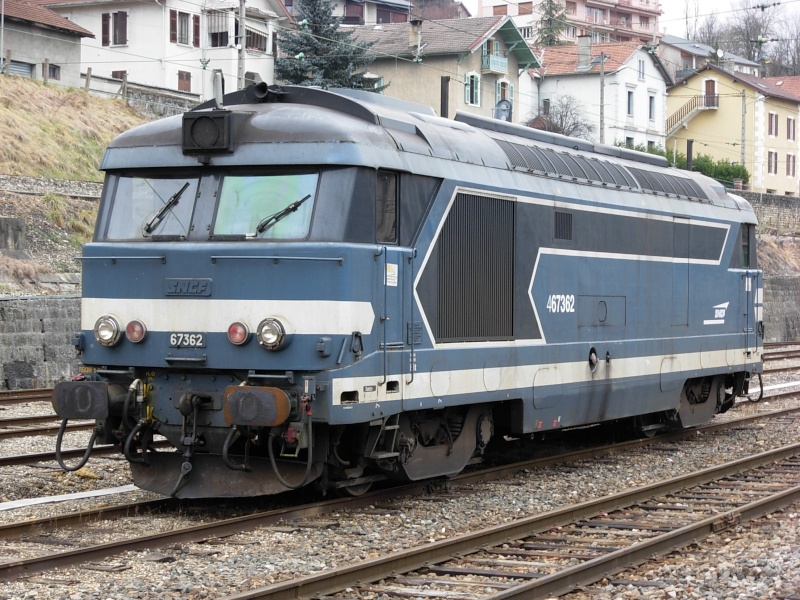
column 275, row 125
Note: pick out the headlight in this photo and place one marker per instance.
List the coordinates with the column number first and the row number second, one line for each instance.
column 107, row 331
column 135, row 331
column 271, row 333
column 238, row 333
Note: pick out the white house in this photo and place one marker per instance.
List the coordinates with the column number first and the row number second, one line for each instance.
column 629, row 78
column 40, row 44
column 176, row 44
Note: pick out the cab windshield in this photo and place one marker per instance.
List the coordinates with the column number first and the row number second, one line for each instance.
column 145, row 207
column 266, row 206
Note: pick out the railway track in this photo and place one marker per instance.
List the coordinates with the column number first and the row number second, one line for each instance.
column 225, row 527
column 552, row 553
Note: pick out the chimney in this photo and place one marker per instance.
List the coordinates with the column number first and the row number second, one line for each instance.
column 415, row 33
column 584, row 51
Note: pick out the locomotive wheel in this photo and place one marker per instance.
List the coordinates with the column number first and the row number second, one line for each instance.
column 706, row 396
column 647, row 426
column 354, row 491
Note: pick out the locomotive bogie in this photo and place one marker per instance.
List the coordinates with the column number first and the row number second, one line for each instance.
column 344, row 288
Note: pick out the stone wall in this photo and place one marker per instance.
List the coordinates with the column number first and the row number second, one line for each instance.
column 36, row 333
column 36, row 340
column 781, row 313
column 776, row 214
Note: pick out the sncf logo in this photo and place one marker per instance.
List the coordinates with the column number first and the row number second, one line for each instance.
column 719, row 314
column 187, row 287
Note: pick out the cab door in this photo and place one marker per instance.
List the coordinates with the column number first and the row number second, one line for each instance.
column 394, row 271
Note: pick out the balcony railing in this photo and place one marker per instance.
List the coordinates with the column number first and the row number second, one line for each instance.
column 494, row 64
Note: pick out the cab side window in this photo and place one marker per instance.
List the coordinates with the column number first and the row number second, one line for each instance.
column 386, row 207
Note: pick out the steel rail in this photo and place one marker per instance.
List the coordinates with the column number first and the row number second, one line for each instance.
column 404, row 561
column 47, row 430
column 22, row 396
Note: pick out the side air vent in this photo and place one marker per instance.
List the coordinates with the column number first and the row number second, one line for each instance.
column 667, row 184
column 564, row 164
column 563, row 225
column 476, row 271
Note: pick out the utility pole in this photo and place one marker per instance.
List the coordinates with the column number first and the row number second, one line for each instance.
column 242, row 41
column 744, row 123
column 602, row 98
column 2, row 40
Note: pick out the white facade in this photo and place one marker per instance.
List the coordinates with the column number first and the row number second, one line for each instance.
column 634, row 99
column 176, row 44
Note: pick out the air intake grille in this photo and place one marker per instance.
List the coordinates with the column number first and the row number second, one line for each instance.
column 564, row 164
column 563, row 226
column 476, row 271
column 667, row 184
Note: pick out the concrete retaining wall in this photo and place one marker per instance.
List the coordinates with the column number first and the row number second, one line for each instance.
column 36, row 333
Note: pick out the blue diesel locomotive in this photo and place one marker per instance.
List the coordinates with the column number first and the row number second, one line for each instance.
column 302, row 286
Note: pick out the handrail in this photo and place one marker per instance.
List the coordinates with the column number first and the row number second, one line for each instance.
column 699, row 102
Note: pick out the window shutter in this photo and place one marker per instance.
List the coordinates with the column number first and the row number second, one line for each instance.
column 511, row 93
column 196, row 36
column 498, row 92
column 106, row 19
column 122, row 27
column 173, row 26
column 466, row 90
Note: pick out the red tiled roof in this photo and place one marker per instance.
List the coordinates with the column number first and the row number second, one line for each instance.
column 790, row 84
column 563, row 60
column 33, row 13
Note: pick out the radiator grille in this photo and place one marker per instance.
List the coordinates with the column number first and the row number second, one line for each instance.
column 476, row 270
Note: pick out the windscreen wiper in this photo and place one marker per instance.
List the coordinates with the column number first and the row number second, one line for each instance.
column 173, row 200
column 269, row 221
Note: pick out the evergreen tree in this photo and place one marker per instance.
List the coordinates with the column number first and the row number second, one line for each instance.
column 319, row 52
column 551, row 24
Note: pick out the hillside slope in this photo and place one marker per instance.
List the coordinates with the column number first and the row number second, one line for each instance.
column 49, row 131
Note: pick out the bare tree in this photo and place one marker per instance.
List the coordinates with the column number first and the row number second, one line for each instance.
column 784, row 53
column 565, row 115
column 710, row 32
column 691, row 16
column 748, row 27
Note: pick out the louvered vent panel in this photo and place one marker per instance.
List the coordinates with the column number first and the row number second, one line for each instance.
column 575, row 164
column 561, row 167
column 563, row 226
column 513, row 154
column 619, row 175
column 476, row 271
column 533, row 158
column 590, row 166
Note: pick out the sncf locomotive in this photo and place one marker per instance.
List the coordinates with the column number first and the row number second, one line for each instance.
column 297, row 286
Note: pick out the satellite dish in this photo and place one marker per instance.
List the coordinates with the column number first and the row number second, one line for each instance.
column 503, row 110
column 720, row 52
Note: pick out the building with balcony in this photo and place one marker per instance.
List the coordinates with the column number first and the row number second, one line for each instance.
column 176, row 45
column 454, row 64
column 602, row 20
column 742, row 119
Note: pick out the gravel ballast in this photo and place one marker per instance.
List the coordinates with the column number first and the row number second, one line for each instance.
column 758, row 560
